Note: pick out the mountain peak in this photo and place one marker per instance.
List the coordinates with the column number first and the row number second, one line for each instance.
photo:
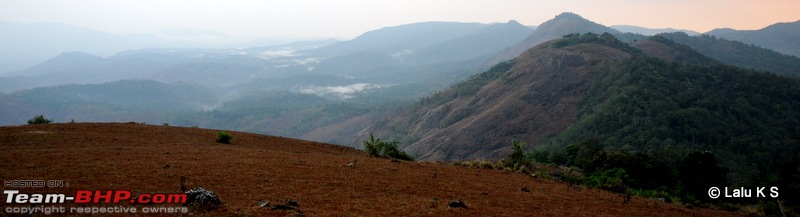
column 563, row 24
column 566, row 23
column 568, row 15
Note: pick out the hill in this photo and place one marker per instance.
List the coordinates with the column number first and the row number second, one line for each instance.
column 443, row 52
column 643, row 107
column 390, row 40
column 142, row 100
column 739, row 54
column 781, row 37
column 26, row 44
column 258, row 168
column 564, row 23
column 531, row 98
column 648, row 31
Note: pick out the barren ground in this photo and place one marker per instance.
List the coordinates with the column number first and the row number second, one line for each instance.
column 264, row 168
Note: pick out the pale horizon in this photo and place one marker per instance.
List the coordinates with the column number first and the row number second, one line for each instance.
column 350, row 18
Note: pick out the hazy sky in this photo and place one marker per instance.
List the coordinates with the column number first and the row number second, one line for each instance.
column 349, row 18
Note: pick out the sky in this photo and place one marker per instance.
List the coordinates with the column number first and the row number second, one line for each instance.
column 349, row 18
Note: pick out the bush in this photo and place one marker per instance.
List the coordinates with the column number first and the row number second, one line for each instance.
column 39, row 119
column 613, row 180
column 517, row 158
column 224, row 137
column 377, row 148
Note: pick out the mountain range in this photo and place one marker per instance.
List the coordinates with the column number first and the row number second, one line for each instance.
column 26, row 44
column 650, row 32
column 781, row 37
column 613, row 103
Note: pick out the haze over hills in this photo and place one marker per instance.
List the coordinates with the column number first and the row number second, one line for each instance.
column 648, row 31
column 781, row 37
column 614, row 105
column 390, row 40
column 354, row 130
column 26, row 44
column 385, row 66
column 379, row 66
column 739, row 54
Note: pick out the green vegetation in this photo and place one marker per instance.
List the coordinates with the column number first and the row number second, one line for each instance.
column 518, row 159
column 471, row 85
column 673, row 130
column 378, row 148
column 738, row 53
column 224, row 137
column 39, row 119
column 604, row 39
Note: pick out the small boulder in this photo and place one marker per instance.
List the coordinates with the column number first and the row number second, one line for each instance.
column 202, row 198
column 457, row 204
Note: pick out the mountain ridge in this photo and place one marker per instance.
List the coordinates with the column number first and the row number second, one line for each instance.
column 560, row 25
column 782, row 37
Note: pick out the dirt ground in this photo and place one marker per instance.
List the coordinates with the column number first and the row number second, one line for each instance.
column 255, row 168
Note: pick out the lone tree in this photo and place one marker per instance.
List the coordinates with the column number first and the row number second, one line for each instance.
column 378, row 148
column 39, row 119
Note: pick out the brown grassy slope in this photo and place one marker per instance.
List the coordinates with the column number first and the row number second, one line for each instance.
column 535, row 100
column 257, row 167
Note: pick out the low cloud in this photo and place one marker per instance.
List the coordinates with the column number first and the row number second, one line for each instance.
column 342, row 92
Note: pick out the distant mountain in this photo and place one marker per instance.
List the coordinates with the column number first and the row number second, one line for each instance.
column 648, row 31
column 739, row 54
column 564, row 23
column 781, row 37
column 208, row 67
column 396, row 39
column 121, row 101
column 25, row 45
column 339, row 79
column 214, row 67
column 479, row 43
column 434, row 53
column 410, row 54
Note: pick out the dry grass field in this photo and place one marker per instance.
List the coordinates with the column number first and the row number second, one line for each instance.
column 254, row 168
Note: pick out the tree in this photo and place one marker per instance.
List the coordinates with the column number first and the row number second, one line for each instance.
column 39, row 119
column 371, row 146
column 517, row 155
column 377, row 148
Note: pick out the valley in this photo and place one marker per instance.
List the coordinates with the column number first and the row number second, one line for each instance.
column 659, row 113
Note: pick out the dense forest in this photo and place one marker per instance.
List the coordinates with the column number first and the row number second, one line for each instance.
column 676, row 128
column 739, row 54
